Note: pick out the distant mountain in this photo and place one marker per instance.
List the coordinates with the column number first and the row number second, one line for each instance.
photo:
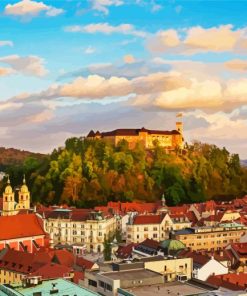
column 244, row 162
column 12, row 156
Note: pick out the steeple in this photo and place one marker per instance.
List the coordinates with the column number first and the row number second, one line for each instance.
column 24, row 196
column 8, row 200
column 163, row 200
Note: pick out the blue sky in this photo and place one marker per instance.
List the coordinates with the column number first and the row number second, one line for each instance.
column 69, row 66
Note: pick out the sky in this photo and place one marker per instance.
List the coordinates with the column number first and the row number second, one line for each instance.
column 67, row 67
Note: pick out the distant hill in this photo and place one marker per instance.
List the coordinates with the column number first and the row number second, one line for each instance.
column 12, row 156
column 243, row 162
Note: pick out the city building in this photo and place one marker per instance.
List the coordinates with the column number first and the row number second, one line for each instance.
column 169, row 140
column 238, row 253
column 9, row 205
column 152, row 226
column 23, row 232
column 230, row 281
column 211, row 238
column 204, row 265
column 84, row 229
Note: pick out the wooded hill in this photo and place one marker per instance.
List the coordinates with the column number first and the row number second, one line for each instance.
column 86, row 173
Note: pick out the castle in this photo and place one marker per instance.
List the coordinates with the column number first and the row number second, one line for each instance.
column 10, row 206
column 170, row 140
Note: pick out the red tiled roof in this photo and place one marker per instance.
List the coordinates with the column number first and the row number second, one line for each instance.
column 197, row 257
column 240, row 249
column 84, row 263
column 150, row 243
column 18, row 226
column 125, row 252
column 147, row 219
column 63, row 257
column 52, row 271
column 231, row 281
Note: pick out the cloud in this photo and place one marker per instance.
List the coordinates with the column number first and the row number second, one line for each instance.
column 5, row 71
column 29, row 65
column 237, row 65
column 199, row 40
column 210, row 95
column 105, row 28
column 103, row 5
column 6, row 43
column 29, row 8
column 129, row 59
column 89, row 50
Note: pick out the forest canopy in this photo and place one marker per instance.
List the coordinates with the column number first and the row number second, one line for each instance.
column 86, row 173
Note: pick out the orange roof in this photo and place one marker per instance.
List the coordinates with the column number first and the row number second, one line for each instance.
column 231, row 281
column 52, row 271
column 17, row 226
column 84, row 263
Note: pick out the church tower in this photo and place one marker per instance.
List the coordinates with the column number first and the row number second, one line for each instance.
column 8, row 201
column 24, row 196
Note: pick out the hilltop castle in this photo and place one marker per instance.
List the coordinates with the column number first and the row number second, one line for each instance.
column 10, row 206
column 167, row 139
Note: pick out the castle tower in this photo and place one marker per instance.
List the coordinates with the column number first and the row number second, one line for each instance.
column 8, row 201
column 179, row 127
column 24, row 196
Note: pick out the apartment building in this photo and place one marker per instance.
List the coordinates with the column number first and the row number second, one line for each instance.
column 83, row 228
column 141, row 227
column 211, row 238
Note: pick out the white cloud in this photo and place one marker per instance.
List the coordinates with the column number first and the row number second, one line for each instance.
column 199, row 40
column 105, row 28
column 103, row 5
column 29, row 8
column 89, row 50
column 29, row 65
column 6, row 43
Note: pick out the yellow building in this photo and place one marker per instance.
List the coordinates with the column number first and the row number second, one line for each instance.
column 171, row 268
column 10, row 206
column 211, row 238
column 149, row 138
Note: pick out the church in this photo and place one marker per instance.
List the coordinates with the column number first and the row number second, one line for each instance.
column 9, row 206
column 169, row 140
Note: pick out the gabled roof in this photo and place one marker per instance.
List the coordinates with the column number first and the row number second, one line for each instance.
column 147, row 219
column 240, row 249
column 84, row 263
column 125, row 252
column 52, row 271
column 18, row 226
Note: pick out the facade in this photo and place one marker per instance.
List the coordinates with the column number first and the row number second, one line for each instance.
column 211, row 238
column 238, row 253
column 84, row 229
column 170, row 268
column 9, row 205
column 142, row 227
column 167, row 139
column 22, row 233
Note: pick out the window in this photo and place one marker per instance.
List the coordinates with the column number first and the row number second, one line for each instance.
column 145, row 228
column 100, row 233
column 155, row 229
column 92, row 283
column 155, row 235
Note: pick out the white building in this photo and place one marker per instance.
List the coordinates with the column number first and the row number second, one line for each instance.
column 82, row 228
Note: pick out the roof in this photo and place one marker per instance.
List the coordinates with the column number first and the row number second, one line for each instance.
column 17, row 226
column 63, row 286
column 133, row 132
column 172, row 245
column 199, row 259
column 52, row 271
column 125, row 252
column 240, row 249
column 131, row 274
column 231, row 281
column 148, row 219
column 84, row 263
